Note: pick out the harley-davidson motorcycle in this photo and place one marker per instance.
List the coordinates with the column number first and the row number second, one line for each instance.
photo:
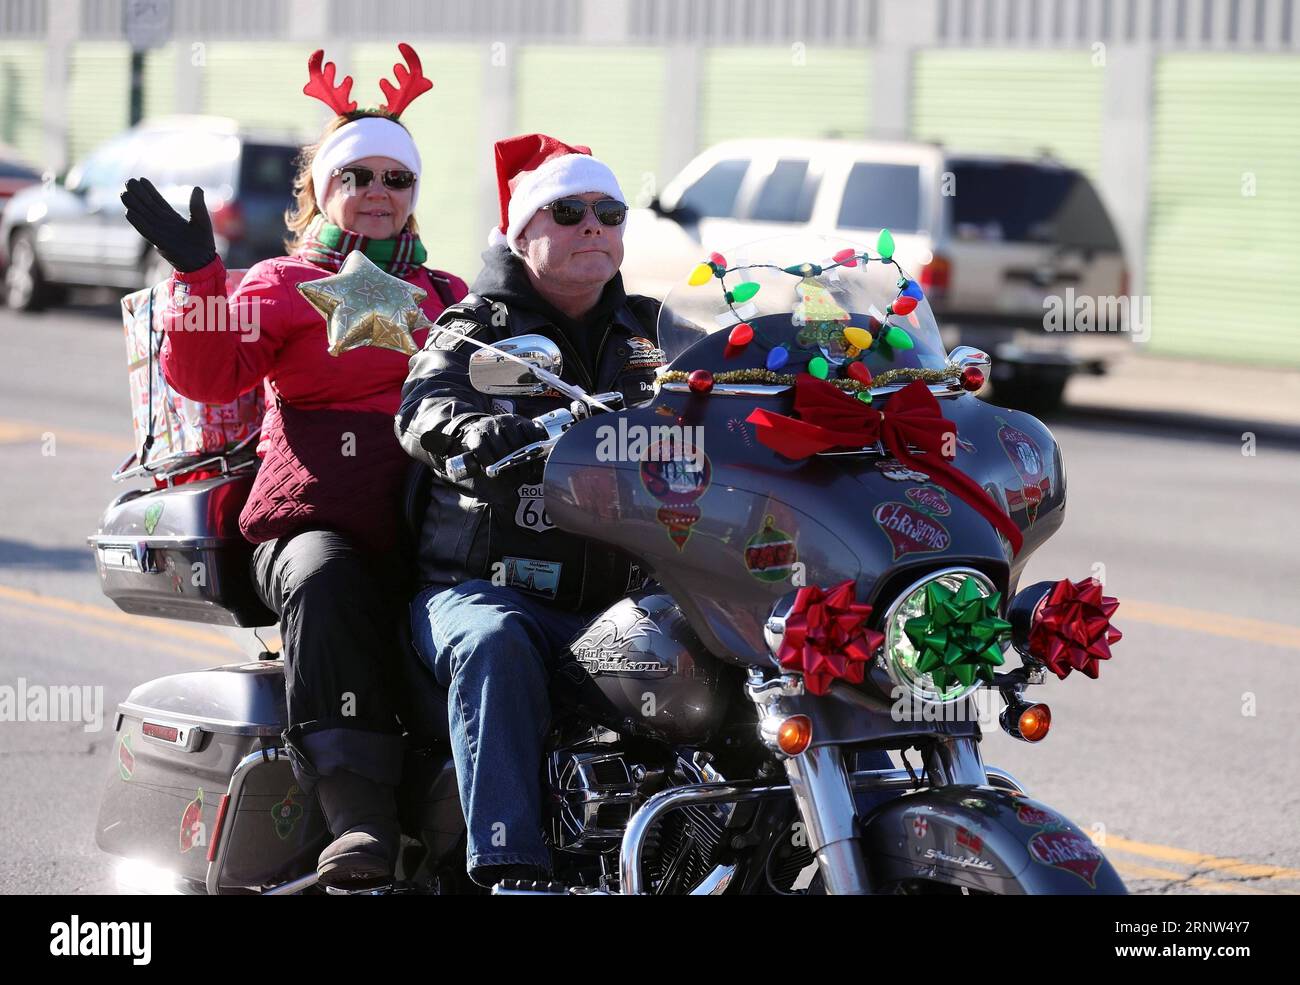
column 830, row 529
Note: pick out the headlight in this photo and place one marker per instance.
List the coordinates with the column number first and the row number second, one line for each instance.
column 901, row 655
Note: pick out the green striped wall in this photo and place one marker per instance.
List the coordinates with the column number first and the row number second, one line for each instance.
column 784, row 92
column 1222, row 266
column 1011, row 102
column 259, row 85
column 22, row 84
column 445, row 124
column 99, row 94
column 609, row 100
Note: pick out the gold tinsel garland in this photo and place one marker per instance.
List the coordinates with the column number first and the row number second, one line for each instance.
column 766, row 376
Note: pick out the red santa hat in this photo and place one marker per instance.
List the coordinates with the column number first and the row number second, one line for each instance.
column 534, row 170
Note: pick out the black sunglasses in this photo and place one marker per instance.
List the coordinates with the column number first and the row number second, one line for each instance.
column 361, row 177
column 569, row 211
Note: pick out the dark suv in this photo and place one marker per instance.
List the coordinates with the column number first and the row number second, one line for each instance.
column 74, row 231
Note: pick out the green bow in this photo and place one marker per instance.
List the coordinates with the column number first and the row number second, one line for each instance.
column 957, row 639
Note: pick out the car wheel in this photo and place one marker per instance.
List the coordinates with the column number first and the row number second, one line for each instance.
column 25, row 285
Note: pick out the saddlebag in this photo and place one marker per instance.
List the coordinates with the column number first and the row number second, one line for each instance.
column 200, row 794
column 177, row 553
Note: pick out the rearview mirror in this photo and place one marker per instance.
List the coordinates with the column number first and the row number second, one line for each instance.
column 494, row 374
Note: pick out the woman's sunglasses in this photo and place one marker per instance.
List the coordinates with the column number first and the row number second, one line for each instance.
column 398, row 178
column 569, row 211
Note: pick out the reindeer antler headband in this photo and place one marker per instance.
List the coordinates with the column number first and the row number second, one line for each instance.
column 369, row 136
column 411, row 83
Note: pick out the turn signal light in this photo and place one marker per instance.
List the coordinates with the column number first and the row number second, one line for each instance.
column 794, row 735
column 1029, row 723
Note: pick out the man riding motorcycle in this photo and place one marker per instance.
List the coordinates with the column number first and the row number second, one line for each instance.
column 505, row 592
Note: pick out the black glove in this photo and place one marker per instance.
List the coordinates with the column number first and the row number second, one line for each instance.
column 490, row 439
column 187, row 246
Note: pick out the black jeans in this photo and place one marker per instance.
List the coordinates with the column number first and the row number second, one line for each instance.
column 339, row 610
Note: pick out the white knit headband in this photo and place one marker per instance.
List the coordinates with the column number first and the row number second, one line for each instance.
column 370, row 136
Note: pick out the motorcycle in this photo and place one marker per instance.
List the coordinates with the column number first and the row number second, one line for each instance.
column 812, row 593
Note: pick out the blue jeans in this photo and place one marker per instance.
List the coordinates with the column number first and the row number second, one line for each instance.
column 494, row 649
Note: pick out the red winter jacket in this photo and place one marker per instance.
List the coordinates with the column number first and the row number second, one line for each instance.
column 266, row 331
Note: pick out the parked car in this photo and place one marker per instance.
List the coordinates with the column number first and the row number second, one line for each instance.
column 15, row 174
column 989, row 238
column 74, row 231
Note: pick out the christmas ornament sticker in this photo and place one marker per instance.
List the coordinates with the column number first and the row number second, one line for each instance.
column 770, row 554
column 1030, row 466
column 286, row 813
column 152, row 514
column 192, row 831
column 125, row 757
column 1033, row 817
column 676, row 483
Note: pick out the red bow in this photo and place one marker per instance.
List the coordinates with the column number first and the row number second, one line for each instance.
column 1072, row 630
column 826, row 637
column 829, row 418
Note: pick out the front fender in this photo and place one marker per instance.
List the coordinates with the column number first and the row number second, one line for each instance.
column 986, row 839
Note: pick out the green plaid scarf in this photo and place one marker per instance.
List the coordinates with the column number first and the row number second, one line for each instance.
column 328, row 245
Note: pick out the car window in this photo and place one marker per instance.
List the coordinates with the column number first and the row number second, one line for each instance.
column 787, row 194
column 108, row 166
column 714, row 193
column 193, row 158
column 1028, row 203
column 267, row 169
column 882, row 196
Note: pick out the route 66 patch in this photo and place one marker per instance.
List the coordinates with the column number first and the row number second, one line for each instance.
column 531, row 514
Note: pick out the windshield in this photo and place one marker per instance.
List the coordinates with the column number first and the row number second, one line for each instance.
column 805, row 298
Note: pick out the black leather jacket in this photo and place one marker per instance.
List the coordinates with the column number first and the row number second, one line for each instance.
column 479, row 528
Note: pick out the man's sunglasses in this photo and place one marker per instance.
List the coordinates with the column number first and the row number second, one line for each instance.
column 569, row 211
column 361, row 177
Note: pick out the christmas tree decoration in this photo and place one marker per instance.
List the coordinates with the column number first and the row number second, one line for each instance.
column 826, row 637
column 718, row 260
column 911, row 289
column 364, row 306
column 846, row 258
column 816, row 307
column 859, row 372
column 858, row 337
column 1071, row 628
column 885, row 244
column 958, row 638
column 702, row 274
column 741, row 335
column 700, row 381
column 819, row 367
column 742, row 293
column 903, row 305
column 778, row 357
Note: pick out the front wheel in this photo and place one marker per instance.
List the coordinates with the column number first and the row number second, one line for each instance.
column 25, row 286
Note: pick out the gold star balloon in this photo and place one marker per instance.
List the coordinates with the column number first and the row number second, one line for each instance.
column 363, row 305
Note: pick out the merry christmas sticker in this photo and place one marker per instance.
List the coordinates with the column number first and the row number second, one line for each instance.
column 910, row 530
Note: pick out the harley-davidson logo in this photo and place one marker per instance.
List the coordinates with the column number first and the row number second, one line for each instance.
column 1068, row 851
column 606, row 647
column 909, row 530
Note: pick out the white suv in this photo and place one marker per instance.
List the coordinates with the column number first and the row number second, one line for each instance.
column 992, row 240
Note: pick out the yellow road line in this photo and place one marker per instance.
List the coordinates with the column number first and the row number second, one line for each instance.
column 155, row 626
column 1213, row 623
column 1134, row 871
column 208, row 658
column 17, row 432
column 1198, row 860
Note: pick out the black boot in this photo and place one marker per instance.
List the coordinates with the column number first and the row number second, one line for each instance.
column 362, row 817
